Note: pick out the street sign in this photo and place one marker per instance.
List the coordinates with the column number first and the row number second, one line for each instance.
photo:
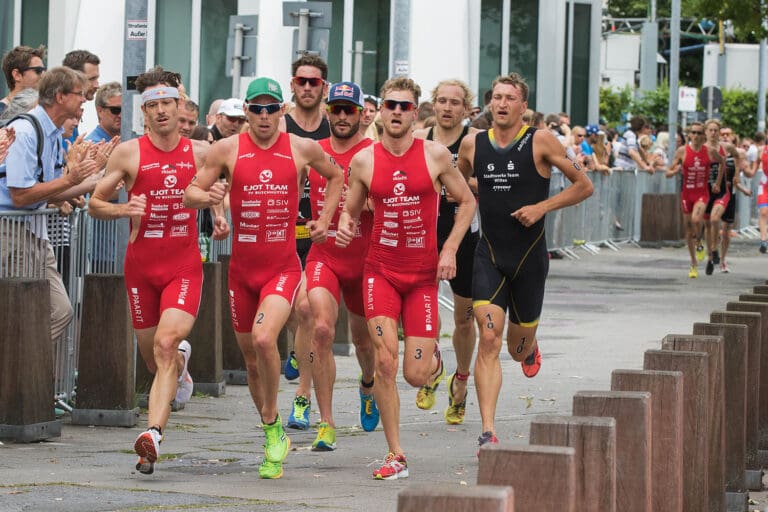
column 713, row 94
column 687, row 100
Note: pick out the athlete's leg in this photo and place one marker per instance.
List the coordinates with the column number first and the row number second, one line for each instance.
column 713, row 236
column 325, row 311
column 174, row 326
column 364, row 349
column 302, row 341
column 270, row 318
column 464, row 336
column 383, row 332
column 691, row 237
column 725, row 241
column 521, row 340
column 490, row 320
column 763, row 223
column 245, row 342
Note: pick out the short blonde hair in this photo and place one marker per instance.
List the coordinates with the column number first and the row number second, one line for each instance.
column 514, row 80
column 401, row 83
column 468, row 96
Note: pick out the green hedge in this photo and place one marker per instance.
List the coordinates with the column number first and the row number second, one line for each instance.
column 739, row 108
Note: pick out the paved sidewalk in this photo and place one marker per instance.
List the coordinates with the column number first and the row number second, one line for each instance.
column 600, row 313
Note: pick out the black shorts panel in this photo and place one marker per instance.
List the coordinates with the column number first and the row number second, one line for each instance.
column 513, row 280
column 461, row 285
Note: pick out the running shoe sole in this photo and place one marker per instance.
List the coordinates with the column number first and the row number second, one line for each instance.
column 145, row 447
column 532, row 364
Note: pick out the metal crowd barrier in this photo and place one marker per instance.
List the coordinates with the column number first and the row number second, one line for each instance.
column 613, row 214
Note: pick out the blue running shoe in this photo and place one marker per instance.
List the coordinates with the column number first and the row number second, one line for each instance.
column 291, row 369
column 299, row 418
column 369, row 413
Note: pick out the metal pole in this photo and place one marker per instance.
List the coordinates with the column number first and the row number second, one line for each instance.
column 134, row 63
column 674, row 78
column 301, row 45
column 400, row 38
column 761, row 76
column 505, row 16
column 358, row 62
column 237, row 64
column 569, row 61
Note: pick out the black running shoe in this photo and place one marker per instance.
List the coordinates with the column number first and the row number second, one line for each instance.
column 710, row 267
column 715, row 257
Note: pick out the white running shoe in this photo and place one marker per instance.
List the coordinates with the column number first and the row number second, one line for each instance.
column 147, row 447
column 186, row 386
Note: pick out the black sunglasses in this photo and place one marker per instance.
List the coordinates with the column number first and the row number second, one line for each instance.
column 696, row 132
column 304, row 80
column 37, row 69
column 115, row 111
column 405, row 106
column 347, row 109
column 271, row 108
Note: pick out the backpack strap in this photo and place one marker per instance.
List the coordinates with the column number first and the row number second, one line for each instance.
column 39, row 135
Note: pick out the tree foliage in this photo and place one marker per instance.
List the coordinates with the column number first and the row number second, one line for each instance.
column 746, row 15
column 738, row 110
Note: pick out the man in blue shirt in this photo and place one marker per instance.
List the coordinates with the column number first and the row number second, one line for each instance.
column 27, row 186
column 109, row 98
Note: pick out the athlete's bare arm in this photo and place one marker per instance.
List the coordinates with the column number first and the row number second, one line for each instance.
column 220, row 224
column 548, row 152
column 206, row 190
column 360, row 174
column 676, row 165
column 308, row 153
column 122, row 166
column 447, row 175
column 467, row 157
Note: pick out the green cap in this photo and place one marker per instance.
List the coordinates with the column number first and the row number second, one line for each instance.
column 266, row 86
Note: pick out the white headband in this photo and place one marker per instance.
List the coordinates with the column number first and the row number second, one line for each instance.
column 158, row 93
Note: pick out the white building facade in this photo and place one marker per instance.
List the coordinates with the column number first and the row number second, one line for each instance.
column 554, row 44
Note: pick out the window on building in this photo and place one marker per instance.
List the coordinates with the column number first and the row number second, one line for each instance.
column 523, row 43
column 579, row 79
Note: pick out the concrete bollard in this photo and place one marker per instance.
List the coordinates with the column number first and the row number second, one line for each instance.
column 666, row 389
column 456, row 498
column 594, row 440
column 552, row 468
column 105, row 382
column 753, row 297
column 712, row 345
column 26, row 362
column 753, row 323
column 762, row 416
column 632, row 412
column 205, row 365
column 735, row 370
column 695, row 369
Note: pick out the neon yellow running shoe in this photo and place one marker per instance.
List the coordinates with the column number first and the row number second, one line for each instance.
column 326, row 438
column 270, row 470
column 454, row 413
column 700, row 252
column 277, row 442
column 694, row 272
column 425, row 397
